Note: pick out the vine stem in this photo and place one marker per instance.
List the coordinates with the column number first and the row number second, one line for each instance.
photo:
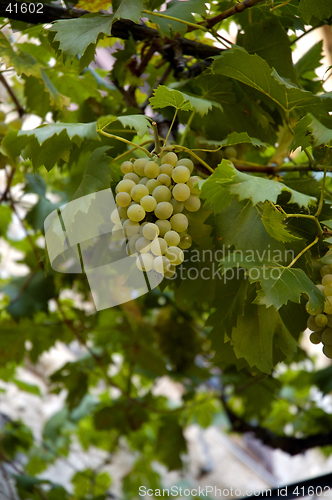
column 187, row 150
column 186, row 130
column 156, row 138
column 321, row 198
column 130, row 151
column 279, row 6
column 304, row 250
column 171, row 18
column 169, row 131
column 136, row 146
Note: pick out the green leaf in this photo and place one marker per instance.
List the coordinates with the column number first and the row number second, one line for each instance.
column 5, row 219
column 170, row 442
column 23, row 386
column 77, row 132
column 241, row 138
column 273, row 223
column 97, row 175
column 75, row 35
column 57, row 100
column 11, row 351
column 164, row 97
column 128, row 9
column 138, row 122
column 268, row 39
column 255, row 72
column 310, row 61
column 320, row 9
column 310, row 131
column 22, row 62
column 227, row 182
column 278, row 284
column 83, row 480
column 38, row 213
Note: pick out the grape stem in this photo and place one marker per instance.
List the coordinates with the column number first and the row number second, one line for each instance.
column 304, row 250
column 187, row 150
column 156, row 138
column 321, row 198
column 135, row 146
column 130, row 151
column 169, row 131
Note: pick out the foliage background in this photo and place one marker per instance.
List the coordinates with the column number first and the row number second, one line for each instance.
column 233, row 345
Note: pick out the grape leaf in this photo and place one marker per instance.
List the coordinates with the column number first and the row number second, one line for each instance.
column 57, row 100
column 128, row 9
column 233, row 139
column 227, row 182
column 38, row 213
column 278, row 284
column 97, row 175
column 320, row 9
column 255, row 72
column 75, row 35
column 139, row 122
column 310, row 61
column 273, row 223
column 164, row 97
column 22, row 62
column 310, row 131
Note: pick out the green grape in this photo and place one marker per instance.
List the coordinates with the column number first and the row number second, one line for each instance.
column 161, row 264
column 150, row 231
column 321, row 288
column 185, row 242
column 181, row 192
column 175, row 255
column 127, row 167
column 328, row 290
column 3, row 128
column 138, row 192
column 170, row 273
column 177, row 206
column 144, row 262
column 123, row 199
column 130, row 228
column 164, row 179
column 328, row 305
column 181, row 174
column 16, row 124
column 115, row 217
column 327, row 279
column 158, row 246
column 139, row 166
column 130, row 247
column 167, row 169
column 313, row 310
column 230, row 152
column 136, row 213
column 162, row 193
column 122, row 211
column 187, row 163
column 163, row 210
column 142, row 245
column 179, row 222
column 327, row 336
column 192, row 204
column 327, row 351
column 151, row 169
column 314, row 339
column 325, row 270
column 170, row 158
column 192, row 184
column 152, row 184
column 148, row 202
column 143, row 181
column 132, row 177
column 164, row 226
column 321, row 320
column 311, row 324
column 2, row 116
column 172, row 238
column 125, row 186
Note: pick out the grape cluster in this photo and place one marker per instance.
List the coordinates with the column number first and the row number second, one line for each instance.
column 320, row 320
column 151, row 199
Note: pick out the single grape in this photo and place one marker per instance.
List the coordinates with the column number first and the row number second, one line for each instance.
column 321, row 320
column 144, row 180
column 328, row 305
column 164, row 226
column 230, row 152
column 327, row 350
column 172, row 238
column 163, row 210
column 327, row 336
column 192, row 204
column 169, row 158
column 185, row 242
column 187, row 163
column 179, row 222
column 181, row 192
column 136, row 213
column 329, row 320
column 150, row 231
column 127, row 167
column 175, row 255
column 167, row 169
column 164, row 179
column 327, row 279
column 158, row 246
column 325, row 270
column 181, row 174
column 311, row 324
column 152, row 184
column 115, row 217
column 327, row 290
column 161, row 264
column 132, row 177
column 130, row 228
column 15, row 124
column 3, row 128
column 148, row 202
column 151, row 169
column 122, row 211
column 138, row 192
column 142, row 245
column 314, row 339
column 139, row 166
column 177, row 206
column 162, row 193
column 125, row 186
column 144, row 262
column 313, row 310
column 123, row 199
column 192, row 184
